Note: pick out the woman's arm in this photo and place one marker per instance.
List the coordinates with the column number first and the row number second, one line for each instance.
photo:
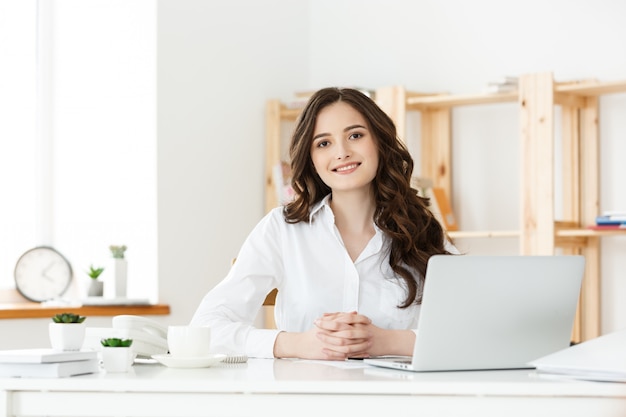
column 231, row 307
column 338, row 336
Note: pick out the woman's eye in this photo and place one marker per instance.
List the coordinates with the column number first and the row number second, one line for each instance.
column 323, row 144
column 355, row 136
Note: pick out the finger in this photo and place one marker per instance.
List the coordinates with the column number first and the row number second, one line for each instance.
column 351, row 316
column 344, row 338
column 356, row 350
column 341, row 321
column 333, row 356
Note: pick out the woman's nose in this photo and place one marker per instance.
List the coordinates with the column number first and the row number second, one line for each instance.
column 342, row 151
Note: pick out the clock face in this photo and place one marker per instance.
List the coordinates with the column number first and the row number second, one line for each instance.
column 42, row 274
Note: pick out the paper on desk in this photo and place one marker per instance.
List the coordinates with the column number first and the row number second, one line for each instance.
column 347, row 364
column 599, row 359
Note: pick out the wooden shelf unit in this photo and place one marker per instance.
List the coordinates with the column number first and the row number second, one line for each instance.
column 540, row 233
column 275, row 114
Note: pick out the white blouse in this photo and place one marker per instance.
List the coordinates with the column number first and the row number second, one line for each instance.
column 314, row 274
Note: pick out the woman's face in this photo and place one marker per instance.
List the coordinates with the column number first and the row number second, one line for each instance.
column 344, row 151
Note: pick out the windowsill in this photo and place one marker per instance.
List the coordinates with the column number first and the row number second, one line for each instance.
column 35, row 310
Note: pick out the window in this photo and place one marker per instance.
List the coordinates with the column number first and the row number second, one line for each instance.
column 78, row 149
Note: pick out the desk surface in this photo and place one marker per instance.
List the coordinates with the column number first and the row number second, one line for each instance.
column 302, row 386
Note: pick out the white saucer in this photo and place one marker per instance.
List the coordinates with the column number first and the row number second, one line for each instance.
column 183, row 362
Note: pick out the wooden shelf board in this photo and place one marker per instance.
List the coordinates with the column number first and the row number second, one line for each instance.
column 36, row 310
column 287, row 113
column 589, row 232
column 592, row 88
column 483, row 233
column 440, row 101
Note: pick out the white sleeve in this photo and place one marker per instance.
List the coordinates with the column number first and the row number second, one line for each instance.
column 231, row 307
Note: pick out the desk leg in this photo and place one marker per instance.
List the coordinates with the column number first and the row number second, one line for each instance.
column 5, row 403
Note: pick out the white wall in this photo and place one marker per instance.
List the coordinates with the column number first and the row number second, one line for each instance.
column 218, row 61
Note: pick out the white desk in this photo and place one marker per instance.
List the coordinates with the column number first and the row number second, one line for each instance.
column 300, row 388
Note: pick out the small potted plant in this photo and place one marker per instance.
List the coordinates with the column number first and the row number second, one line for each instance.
column 120, row 268
column 117, row 355
column 67, row 331
column 96, row 286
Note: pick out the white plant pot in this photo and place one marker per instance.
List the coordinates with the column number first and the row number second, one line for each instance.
column 117, row 359
column 96, row 288
column 66, row 336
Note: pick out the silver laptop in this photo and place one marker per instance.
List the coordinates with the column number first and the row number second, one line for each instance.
column 493, row 312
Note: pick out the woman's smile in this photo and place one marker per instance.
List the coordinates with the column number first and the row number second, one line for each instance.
column 346, row 168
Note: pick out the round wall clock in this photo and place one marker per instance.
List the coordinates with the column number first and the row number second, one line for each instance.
column 42, row 274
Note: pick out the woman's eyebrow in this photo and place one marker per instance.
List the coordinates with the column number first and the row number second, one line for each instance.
column 354, row 127
column 347, row 129
column 320, row 135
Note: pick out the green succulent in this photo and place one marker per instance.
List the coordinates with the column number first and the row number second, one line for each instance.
column 116, row 342
column 94, row 273
column 117, row 251
column 68, row 318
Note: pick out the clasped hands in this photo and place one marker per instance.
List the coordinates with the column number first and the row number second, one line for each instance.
column 339, row 336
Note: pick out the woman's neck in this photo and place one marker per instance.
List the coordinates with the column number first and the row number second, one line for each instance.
column 353, row 209
column 354, row 218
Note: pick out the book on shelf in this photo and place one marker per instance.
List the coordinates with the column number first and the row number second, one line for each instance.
column 610, row 220
column 370, row 92
column 441, row 206
column 505, row 79
column 302, row 97
column 499, row 88
column 614, row 215
column 504, row 84
column 49, row 369
column 282, row 181
column 421, row 184
column 608, row 227
column 439, row 203
column 45, row 355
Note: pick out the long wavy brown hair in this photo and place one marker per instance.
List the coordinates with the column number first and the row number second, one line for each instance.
column 401, row 213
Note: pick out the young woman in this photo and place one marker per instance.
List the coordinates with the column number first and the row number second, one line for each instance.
column 348, row 255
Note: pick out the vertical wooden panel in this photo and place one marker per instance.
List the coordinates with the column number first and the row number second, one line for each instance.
column 590, row 292
column 272, row 151
column 590, row 161
column 392, row 100
column 571, row 164
column 536, row 98
column 436, row 138
column 590, row 183
column 572, row 188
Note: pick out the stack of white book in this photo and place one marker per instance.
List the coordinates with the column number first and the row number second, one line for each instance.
column 47, row 363
column 502, row 85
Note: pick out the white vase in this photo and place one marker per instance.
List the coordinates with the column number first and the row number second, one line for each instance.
column 120, row 268
column 117, row 359
column 96, row 288
column 66, row 336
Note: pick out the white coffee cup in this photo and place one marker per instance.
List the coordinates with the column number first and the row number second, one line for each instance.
column 189, row 341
